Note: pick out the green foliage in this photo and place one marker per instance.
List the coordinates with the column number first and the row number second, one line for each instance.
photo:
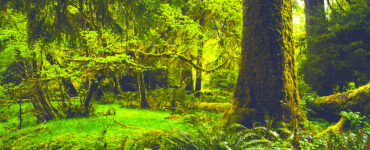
column 306, row 93
column 347, row 140
column 82, row 133
column 217, row 136
column 224, row 80
column 357, row 122
column 2, row 92
column 355, row 135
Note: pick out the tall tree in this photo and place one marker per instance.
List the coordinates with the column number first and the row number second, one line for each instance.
column 198, row 78
column 266, row 89
column 315, row 17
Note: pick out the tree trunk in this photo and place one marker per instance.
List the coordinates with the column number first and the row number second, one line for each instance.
column 66, row 82
column 186, row 77
column 117, row 87
column 315, row 17
column 92, row 89
column 141, row 84
column 316, row 25
column 198, row 80
column 329, row 107
column 69, row 85
column 266, row 89
column 46, row 109
column 40, row 101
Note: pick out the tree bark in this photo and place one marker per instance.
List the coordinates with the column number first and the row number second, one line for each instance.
column 315, row 17
column 329, row 107
column 66, row 82
column 47, row 110
column 93, row 87
column 266, row 88
column 186, row 77
column 316, row 26
column 140, row 81
column 117, row 86
column 198, row 80
column 141, row 84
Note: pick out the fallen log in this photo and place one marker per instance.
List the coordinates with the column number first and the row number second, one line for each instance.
column 335, row 128
column 3, row 101
column 214, row 107
column 329, row 107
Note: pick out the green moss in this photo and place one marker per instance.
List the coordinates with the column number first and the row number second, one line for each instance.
column 85, row 132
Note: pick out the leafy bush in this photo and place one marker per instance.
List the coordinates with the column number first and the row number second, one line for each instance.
column 354, row 138
column 2, row 92
column 356, row 120
column 306, row 93
column 347, row 140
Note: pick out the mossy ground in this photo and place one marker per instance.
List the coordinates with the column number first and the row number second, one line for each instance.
column 82, row 133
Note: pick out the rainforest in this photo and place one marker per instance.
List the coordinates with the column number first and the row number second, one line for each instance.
column 185, row 74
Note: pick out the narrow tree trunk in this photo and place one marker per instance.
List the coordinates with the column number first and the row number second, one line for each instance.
column 117, row 86
column 20, row 109
column 63, row 97
column 69, row 85
column 186, row 77
column 141, row 84
column 266, row 89
column 92, row 89
column 198, row 81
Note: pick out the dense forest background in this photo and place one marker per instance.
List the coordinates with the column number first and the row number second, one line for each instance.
column 180, row 73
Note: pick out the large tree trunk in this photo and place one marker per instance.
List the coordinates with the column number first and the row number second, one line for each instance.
column 329, row 107
column 266, row 89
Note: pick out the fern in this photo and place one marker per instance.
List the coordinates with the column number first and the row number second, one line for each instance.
column 218, row 136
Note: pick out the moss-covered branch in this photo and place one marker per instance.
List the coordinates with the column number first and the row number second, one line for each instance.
column 329, row 107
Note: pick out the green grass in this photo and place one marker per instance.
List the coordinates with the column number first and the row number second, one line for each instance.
column 83, row 132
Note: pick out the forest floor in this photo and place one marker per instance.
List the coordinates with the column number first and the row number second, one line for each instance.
column 100, row 130
column 114, row 126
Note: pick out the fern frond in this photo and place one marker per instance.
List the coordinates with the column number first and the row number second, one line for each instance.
column 256, row 143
